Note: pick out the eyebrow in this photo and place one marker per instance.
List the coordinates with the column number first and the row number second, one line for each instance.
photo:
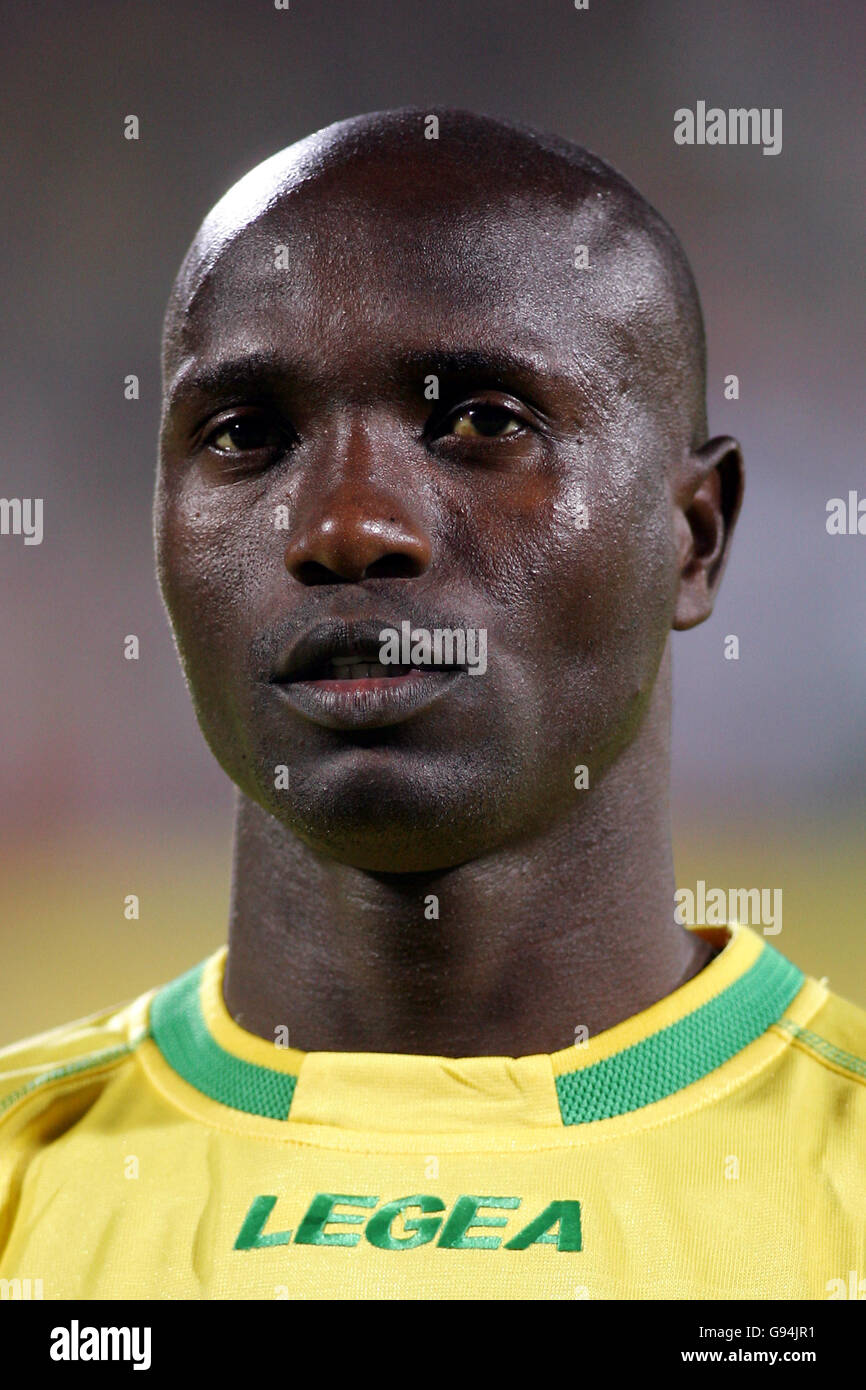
column 255, row 369
column 532, row 374
column 479, row 362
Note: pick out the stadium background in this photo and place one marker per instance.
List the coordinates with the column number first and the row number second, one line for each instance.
column 107, row 787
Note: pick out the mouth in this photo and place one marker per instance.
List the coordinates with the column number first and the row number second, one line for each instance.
column 334, row 677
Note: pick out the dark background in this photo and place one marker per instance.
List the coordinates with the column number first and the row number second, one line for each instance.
column 107, row 787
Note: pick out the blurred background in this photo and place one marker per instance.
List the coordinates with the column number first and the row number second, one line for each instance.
column 106, row 786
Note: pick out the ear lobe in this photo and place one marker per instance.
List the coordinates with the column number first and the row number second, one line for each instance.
column 708, row 497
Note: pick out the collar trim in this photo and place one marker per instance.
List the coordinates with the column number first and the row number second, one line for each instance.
column 668, row 1047
column 179, row 1029
column 687, row 1050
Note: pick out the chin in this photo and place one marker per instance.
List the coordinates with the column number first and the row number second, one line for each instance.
column 412, row 853
column 387, row 820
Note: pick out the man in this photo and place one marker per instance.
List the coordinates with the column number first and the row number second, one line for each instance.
column 435, row 487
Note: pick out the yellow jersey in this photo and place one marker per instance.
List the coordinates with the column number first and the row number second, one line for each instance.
column 712, row 1146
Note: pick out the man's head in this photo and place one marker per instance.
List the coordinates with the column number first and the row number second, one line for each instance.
column 456, row 382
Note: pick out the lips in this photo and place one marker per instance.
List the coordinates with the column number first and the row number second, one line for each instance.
column 333, row 676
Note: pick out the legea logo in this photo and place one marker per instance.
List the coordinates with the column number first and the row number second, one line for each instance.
column 409, row 1222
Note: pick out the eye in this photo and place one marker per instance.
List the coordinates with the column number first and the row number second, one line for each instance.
column 484, row 421
column 246, row 434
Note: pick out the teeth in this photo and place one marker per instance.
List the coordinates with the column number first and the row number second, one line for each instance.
column 353, row 670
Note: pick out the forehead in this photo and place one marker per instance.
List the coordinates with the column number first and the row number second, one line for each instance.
column 370, row 261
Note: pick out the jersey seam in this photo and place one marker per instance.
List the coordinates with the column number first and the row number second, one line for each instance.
column 802, row 1039
column 104, row 1059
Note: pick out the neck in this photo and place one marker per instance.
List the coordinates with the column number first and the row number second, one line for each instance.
column 570, row 928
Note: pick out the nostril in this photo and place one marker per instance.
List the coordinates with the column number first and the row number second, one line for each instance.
column 393, row 567
column 349, row 549
column 310, row 572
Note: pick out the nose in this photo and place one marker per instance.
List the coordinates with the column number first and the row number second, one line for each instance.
column 348, row 542
column 363, row 524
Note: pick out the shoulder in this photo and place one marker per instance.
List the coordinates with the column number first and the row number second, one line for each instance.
column 834, row 1038
column 60, row 1057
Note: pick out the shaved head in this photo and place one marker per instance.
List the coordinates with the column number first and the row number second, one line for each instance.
column 477, row 169
column 437, row 369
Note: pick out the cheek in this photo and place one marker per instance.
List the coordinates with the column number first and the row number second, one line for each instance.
column 209, row 568
column 207, row 560
column 601, row 582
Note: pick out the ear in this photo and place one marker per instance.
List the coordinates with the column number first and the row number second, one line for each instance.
column 707, row 499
